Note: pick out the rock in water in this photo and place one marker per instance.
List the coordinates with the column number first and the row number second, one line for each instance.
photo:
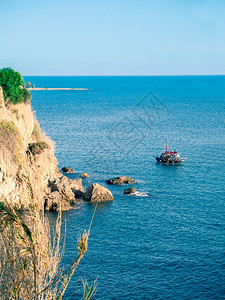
column 67, row 170
column 120, row 180
column 84, row 175
column 131, row 190
column 98, row 193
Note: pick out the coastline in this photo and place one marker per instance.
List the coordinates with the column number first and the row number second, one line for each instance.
column 58, row 89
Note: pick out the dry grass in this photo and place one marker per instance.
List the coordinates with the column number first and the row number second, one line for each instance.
column 37, row 132
column 30, row 258
column 10, row 139
column 7, row 129
column 40, row 136
column 47, row 140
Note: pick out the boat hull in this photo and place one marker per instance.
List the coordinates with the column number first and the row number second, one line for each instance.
column 168, row 161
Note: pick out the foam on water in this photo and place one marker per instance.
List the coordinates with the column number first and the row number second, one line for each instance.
column 142, row 194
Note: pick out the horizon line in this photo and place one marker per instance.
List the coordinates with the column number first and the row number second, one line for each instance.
column 171, row 75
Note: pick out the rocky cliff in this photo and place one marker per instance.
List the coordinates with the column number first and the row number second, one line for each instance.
column 28, row 166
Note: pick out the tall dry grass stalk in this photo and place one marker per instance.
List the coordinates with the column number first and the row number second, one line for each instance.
column 30, row 256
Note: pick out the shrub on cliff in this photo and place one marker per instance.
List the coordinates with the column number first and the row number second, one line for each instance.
column 13, row 86
column 7, row 129
column 38, row 148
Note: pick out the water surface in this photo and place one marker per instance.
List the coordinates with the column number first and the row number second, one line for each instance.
column 162, row 243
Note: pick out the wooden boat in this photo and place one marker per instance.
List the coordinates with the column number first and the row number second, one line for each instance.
column 169, row 157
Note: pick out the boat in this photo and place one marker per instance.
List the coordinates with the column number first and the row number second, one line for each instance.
column 169, row 157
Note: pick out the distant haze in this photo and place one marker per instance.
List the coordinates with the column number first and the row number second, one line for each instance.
column 113, row 37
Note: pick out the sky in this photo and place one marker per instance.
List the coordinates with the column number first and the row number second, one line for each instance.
column 113, row 37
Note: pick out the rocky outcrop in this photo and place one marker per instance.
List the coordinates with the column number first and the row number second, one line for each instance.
column 28, row 166
column 120, row 180
column 67, row 170
column 68, row 188
column 131, row 190
column 55, row 202
column 98, row 193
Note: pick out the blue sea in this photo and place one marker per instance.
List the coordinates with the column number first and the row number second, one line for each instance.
column 168, row 240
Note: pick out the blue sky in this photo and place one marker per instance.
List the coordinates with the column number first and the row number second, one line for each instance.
column 119, row 37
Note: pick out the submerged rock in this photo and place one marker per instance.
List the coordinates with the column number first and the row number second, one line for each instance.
column 120, row 180
column 131, row 190
column 67, row 170
column 84, row 175
column 98, row 193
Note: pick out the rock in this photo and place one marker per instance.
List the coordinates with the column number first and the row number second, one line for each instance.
column 120, row 180
column 67, row 170
column 68, row 188
column 64, row 192
column 131, row 190
column 98, row 193
column 77, row 188
column 84, row 175
column 54, row 201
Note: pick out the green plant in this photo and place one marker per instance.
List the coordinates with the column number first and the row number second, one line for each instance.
column 7, row 129
column 38, row 148
column 13, row 86
column 28, row 84
column 89, row 291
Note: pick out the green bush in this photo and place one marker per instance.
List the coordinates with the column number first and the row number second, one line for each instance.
column 13, row 86
column 38, row 148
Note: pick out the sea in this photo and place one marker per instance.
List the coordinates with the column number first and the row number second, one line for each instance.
column 167, row 241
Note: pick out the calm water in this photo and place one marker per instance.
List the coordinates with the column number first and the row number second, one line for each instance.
column 164, row 242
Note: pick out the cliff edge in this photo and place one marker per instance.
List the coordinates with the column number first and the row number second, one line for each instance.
column 28, row 166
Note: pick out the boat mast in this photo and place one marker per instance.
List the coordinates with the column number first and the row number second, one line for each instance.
column 167, row 147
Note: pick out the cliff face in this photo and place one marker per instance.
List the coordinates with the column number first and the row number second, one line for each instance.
column 28, row 166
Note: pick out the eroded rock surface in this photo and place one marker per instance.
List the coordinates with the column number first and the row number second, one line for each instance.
column 98, row 193
column 120, row 180
column 55, row 202
column 70, row 189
